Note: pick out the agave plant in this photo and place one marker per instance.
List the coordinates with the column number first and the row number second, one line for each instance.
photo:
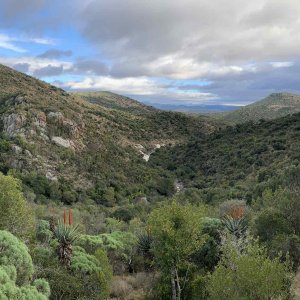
column 236, row 226
column 66, row 235
column 144, row 242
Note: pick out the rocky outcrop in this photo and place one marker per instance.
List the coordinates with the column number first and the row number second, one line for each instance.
column 40, row 120
column 55, row 116
column 13, row 123
column 146, row 154
column 16, row 149
column 51, row 176
column 74, row 130
column 59, row 141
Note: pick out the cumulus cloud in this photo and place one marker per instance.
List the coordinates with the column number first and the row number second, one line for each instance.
column 243, row 49
column 21, row 67
column 14, row 11
column 140, row 87
column 90, row 66
column 38, row 67
column 181, row 39
column 49, row 71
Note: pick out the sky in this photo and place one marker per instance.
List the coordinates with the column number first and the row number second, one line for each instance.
column 229, row 52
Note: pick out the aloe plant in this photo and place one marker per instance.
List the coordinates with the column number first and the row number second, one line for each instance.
column 144, row 242
column 66, row 235
column 236, row 226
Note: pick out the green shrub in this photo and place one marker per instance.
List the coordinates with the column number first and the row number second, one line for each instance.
column 16, row 270
column 250, row 275
column 15, row 214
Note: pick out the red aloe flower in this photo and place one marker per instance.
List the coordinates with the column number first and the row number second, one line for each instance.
column 70, row 217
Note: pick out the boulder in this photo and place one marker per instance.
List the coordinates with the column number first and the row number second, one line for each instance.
column 13, row 123
column 16, row 149
column 59, row 141
column 51, row 176
column 55, row 115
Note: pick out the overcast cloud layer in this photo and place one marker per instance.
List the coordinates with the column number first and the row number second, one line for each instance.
column 189, row 51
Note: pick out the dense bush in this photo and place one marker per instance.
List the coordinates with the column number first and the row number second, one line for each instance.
column 250, row 275
column 16, row 215
column 16, row 270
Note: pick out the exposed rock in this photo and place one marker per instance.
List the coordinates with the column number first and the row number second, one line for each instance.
column 178, row 185
column 13, row 123
column 16, row 149
column 146, row 157
column 139, row 146
column 49, row 175
column 141, row 200
column 142, row 150
column 74, row 130
column 55, row 115
column 62, row 142
column 44, row 136
column 19, row 99
column 40, row 120
column 17, row 164
column 28, row 153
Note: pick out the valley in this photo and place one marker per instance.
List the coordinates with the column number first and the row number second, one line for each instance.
column 115, row 199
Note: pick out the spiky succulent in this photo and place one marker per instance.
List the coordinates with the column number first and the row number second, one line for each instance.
column 145, row 242
column 66, row 235
column 236, row 226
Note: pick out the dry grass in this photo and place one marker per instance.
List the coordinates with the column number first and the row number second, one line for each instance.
column 131, row 287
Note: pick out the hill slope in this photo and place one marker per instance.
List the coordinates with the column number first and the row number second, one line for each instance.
column 236, row 162
column 274, row 106
column 115, row 101
column 95, row 150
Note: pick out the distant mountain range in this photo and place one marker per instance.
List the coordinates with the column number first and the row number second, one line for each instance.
column 204, row 108
column 274, row 106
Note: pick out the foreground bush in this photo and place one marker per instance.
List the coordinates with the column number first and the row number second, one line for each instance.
column 15, row 214
column 249, row 275
column 16, row 270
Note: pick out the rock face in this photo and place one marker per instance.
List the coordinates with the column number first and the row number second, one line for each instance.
column 51, row 176
column 40, row 120
column 59, row 141
column 13, row 123
column 55, row 115
column 16, row 149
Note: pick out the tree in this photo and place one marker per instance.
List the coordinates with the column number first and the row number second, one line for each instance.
column 16, row 270
column 15, row 214
column 248, row 275
column 176, row 231
column 269, row 223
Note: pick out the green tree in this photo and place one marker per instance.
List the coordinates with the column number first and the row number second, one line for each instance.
column 249, row 275
column 269, row 223
column 15, row 214
column 177, row 234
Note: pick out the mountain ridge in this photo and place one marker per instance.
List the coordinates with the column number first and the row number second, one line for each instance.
column 82, row 146
column 274, row 106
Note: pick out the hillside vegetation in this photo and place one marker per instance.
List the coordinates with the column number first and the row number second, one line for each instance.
column 274, row 106
column 239, row 160
column 81, row 147
column 105, row 198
